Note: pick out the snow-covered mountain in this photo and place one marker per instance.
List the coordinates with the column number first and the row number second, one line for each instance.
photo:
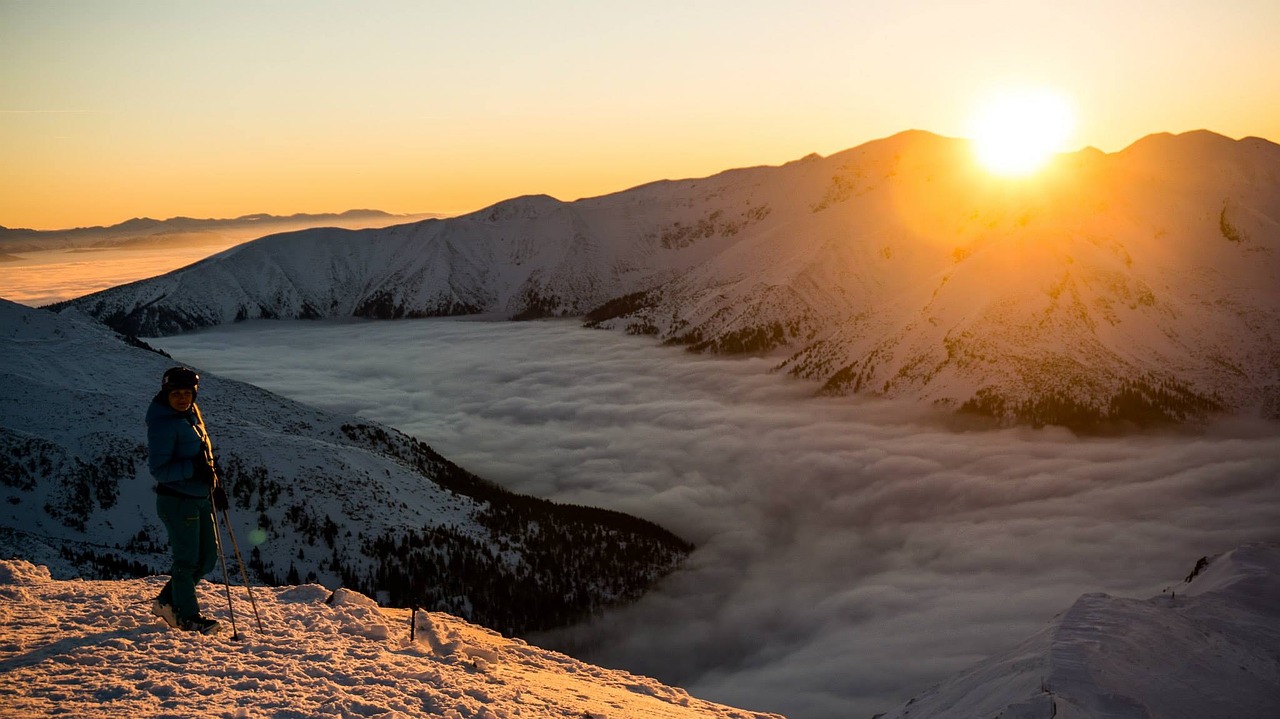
column 1207, row 647
column 316, row 496
column 91, row 649
column 1139, row 286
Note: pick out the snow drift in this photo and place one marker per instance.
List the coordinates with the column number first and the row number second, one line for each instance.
column 91, row 649
column 1207, row 647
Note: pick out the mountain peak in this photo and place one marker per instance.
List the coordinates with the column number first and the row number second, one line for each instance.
column 1192, row 141
column 524, row 207
column 138, row 223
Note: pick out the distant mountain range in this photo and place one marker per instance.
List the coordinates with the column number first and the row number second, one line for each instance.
column 316, row 496
column 1133, row 288
column 144, row 231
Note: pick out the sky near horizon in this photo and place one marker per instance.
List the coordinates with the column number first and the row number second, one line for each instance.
column 154, row 108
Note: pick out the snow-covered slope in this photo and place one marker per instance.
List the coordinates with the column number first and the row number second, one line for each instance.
column 316, row 496
column 531, row 256
column 91, row 649
column 1207, row 647
column 1137, row 286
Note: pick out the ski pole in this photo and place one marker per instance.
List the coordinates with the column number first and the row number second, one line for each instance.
column 207, row 448
column 244, row 574
column 226, row 583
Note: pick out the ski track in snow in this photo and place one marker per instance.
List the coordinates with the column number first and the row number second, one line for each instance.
column 93, row 649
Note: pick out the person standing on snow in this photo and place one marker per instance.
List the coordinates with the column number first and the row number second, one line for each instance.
column 187, row 492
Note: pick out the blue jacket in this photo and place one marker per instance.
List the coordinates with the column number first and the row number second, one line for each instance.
column 174, row 445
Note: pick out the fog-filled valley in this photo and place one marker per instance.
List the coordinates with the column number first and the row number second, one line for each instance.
column 850, row 553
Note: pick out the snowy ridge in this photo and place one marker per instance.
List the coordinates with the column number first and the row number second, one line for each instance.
column 315, row 496
column 1135, row 287
column 92, row 649
column 1207, row 647
column 527, row 257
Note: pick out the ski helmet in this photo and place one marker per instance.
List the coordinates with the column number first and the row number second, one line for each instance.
column 180, row 378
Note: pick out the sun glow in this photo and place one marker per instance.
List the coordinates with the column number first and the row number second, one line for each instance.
column 1017, row 132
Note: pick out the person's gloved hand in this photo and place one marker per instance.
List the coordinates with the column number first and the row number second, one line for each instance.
column 220, row 499
column 202, row 472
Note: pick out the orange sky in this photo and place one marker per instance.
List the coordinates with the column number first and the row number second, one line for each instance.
column 152, row 108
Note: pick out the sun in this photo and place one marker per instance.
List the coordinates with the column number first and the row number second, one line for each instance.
column 1016, row 132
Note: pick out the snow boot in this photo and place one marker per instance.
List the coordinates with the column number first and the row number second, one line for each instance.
column 165, row 612
column 200, row 624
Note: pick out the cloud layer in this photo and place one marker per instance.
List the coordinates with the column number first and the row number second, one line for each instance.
column 851, row 553
column 45, row 277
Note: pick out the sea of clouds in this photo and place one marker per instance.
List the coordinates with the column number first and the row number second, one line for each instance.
column 40, row 278
column 850, row 552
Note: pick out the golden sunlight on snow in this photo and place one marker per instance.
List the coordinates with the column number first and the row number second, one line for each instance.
column 92, row 649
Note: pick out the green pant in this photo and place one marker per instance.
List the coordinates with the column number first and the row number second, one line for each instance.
column 189, row 522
